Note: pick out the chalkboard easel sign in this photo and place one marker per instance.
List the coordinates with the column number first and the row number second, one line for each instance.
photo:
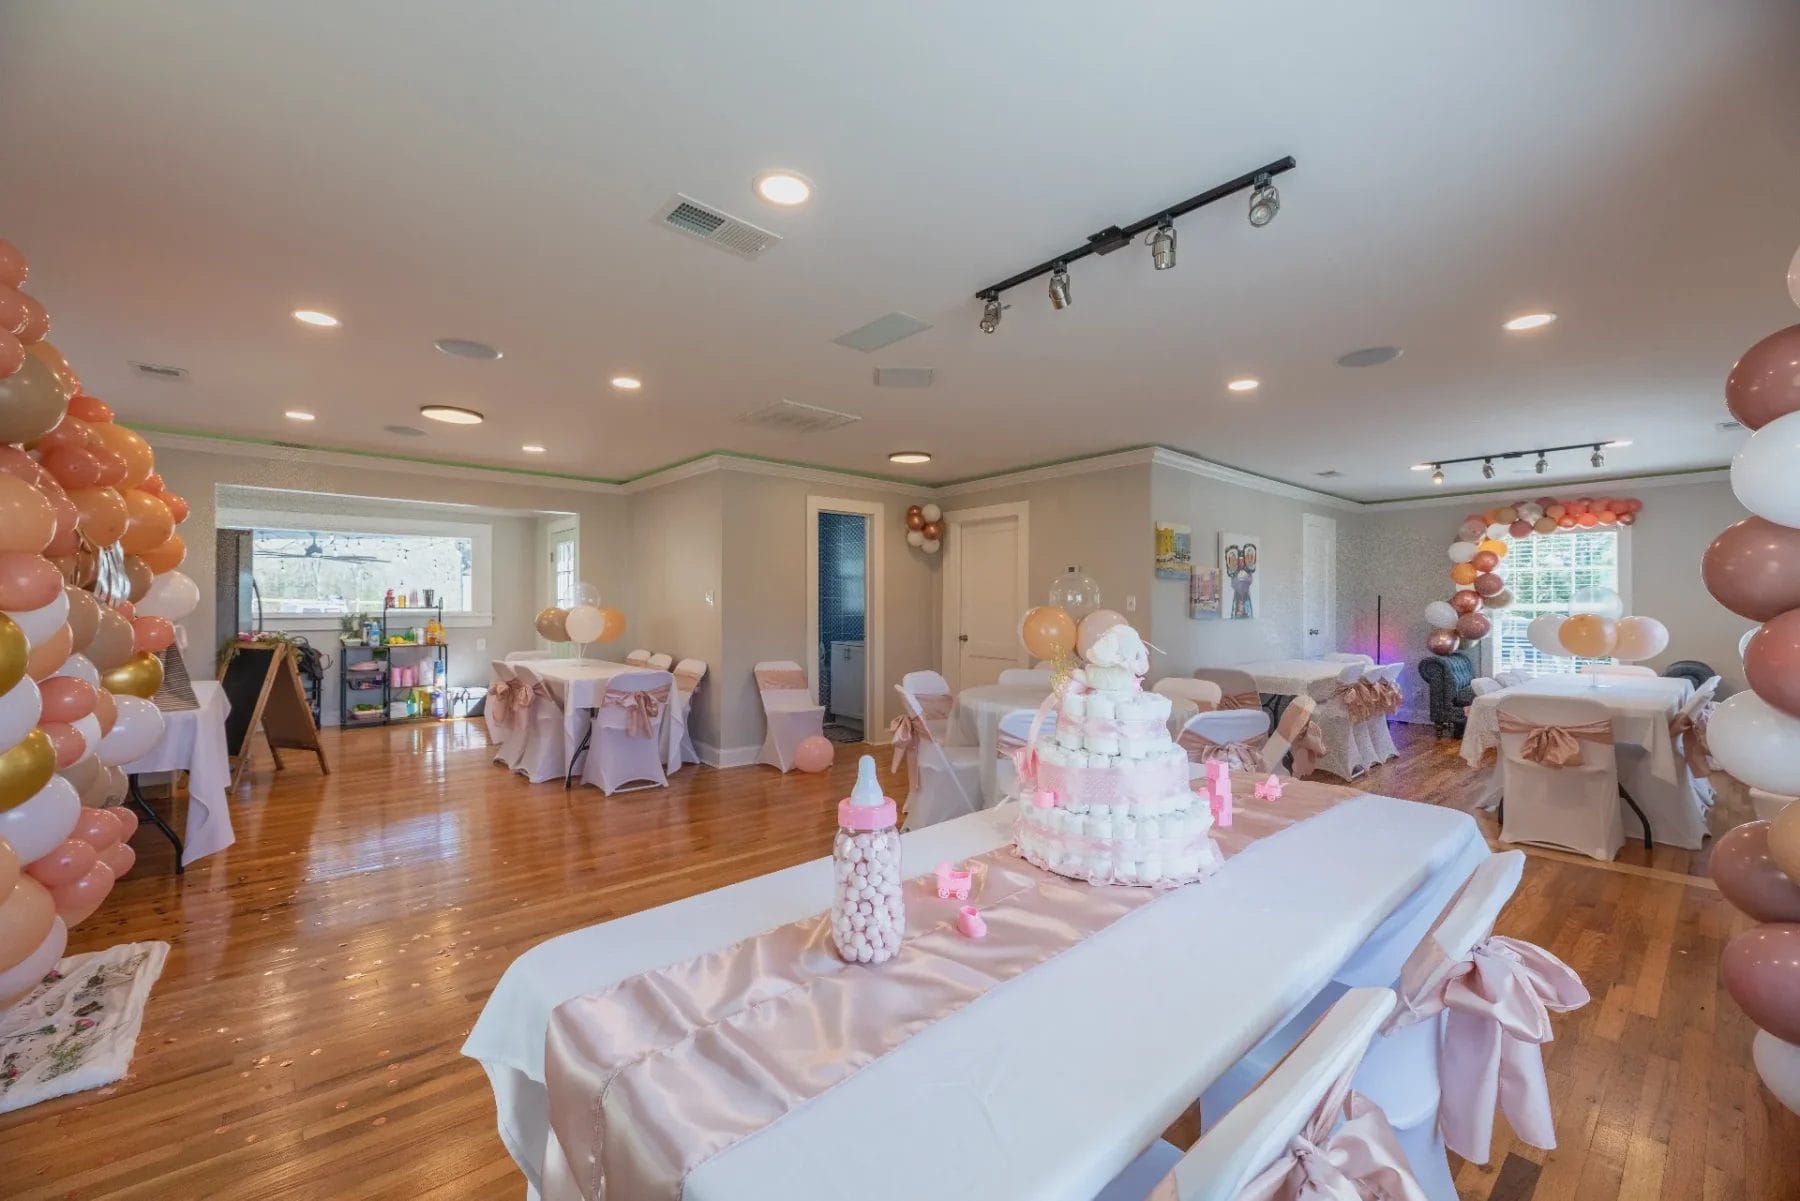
column 263, row 686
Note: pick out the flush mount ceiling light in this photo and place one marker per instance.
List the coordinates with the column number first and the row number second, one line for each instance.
column 627, row 383
column 1244, row 384
column 1541, row 457
column 785, row 188
column 1529, row 321
column 909, row 457
column 315, row 317
column 467, row 348
column 299, row 415
column 532, row 448
column 451, row 414
column 1162, row 241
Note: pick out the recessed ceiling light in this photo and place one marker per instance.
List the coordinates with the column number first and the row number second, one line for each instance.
column 1619, row 442
column 909, row 457
column 786, row 188
column 1527, row 321
column 315, row 317
column 1244, row 384
column 1421, row 466
column 627, row 383
column 299, row 415
column 467, row 348
column 451, row 414
column 532, row 448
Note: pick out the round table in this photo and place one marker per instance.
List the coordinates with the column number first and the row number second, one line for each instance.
column 976, row 722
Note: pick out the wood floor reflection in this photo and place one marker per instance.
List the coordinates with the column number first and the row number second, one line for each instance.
column 303, row 1040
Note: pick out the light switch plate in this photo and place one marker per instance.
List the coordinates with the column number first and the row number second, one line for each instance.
column 709, row 598
column 1131, row 604
column 481, row 644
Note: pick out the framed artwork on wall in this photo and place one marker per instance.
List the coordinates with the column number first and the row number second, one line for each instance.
column 1204, row 594
column 1238, row 555
column 1174, row 551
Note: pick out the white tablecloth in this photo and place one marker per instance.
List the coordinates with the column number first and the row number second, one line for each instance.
column 1051, row 1084
column 577, row 685
column 193, row 741
column 976, row 722
column 1652, row 771
column 1293, row 677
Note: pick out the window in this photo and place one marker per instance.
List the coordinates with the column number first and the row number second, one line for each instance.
column 338, row 571
column 1542, row 572
column 562, row 567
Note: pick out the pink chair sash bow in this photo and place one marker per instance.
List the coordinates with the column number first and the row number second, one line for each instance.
column 907, row 734
column 935, row 706
column 687, row 681
column 1389, row 693
column 1327, row 1161
column 1363, row 700
column 1246, row 755
column 1689, row 732
column 1240, row 700
column 1498, row 1003
column 642, row 707
column 1556, row 746
column 508, row 700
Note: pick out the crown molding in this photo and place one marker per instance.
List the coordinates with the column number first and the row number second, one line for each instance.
column 1162, row 456
column 1672, row 479
column 1147, row 456
column 775, row 468
column 1137, row 456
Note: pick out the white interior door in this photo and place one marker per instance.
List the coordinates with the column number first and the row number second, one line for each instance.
column 1318, row 555
column 984, row 595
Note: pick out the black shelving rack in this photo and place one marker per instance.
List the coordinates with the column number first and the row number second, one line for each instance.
column 366, row 687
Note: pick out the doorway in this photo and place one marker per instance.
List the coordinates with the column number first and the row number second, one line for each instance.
column 843, row 619
column 985, row 572
column 1318, row 575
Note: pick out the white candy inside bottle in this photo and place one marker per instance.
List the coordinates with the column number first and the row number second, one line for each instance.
column 868, row 912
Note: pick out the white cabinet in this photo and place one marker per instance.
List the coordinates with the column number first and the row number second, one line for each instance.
column 846, row 680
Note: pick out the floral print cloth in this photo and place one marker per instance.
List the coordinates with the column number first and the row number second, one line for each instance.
column 77, row 1029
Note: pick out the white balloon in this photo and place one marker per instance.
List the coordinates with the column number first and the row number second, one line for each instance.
column 585, row 594
column 1640, row 638
column 1602, row 602
column 40, row 624
column 584, row 624
column 81, row 667
column 1440, row 615
column 1543, row 634
column 172, row 595
column 931, row 512
column 20, row 708
column 35, row 827
column 1794, row 295
column 1757, row 743
column 1462, row 552
column 1531, row 512
column 1763, row 475
column 1499, row 530
column 135, row 734
column 931, row 545
column 1778, row 1062
column 915, row 538
column 1744, row 642
column 24, row 975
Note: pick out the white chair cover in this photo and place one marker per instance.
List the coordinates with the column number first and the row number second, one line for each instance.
column 942, row 781
column 1301, row 1135
column 932, row 692
column 1616, row 669
column 1386, row 683
column 1482, row 685
column 788, row 711
column 1337, row 717
column 1348, row 657
column 1687, row 731
column 1026, row 676
column 1560, row 775
column 1513, row 677
column 688, row 674
column 628, row 738
column 1013, row 735
column 1200, row 695
column 638, row 658
column 661, row 662
column 508, row 713
column 1238, row 737
column 1237, row 688
column 544, row 753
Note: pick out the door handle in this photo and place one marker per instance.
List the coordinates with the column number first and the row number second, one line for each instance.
column 1312, row 632
column 962, row 637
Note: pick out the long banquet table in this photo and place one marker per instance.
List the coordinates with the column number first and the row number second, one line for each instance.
column 1049, row 1085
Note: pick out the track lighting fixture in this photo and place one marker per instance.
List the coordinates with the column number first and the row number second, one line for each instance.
column 1597, row 459
column 1162, row 246
column 1543, row 464
column 1540, row 465
column 1265, row 202
column 1059, row 287
column 1487, row 469
column 1437, row 473
column 990, row 314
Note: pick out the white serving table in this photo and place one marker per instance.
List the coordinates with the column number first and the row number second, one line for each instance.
column 1051, row 1084
column 976, row 722
column 1294, row 677
column 193, row 741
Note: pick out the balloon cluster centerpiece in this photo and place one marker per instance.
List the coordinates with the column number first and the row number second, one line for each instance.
column 1595, row 627
column 925, row 528
column 1753, row 569
column 581, row 619
column 1476, row 557
column 89, row 594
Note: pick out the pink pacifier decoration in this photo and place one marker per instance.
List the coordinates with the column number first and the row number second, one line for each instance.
column 1043, row 798
column 1269, row 789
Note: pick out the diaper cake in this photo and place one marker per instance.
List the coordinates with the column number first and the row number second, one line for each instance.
column 1104, row 797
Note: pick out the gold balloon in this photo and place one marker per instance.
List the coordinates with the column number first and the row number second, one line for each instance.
column 26, row 768
column 550, row 624
column 15, row 651
column 141, row 675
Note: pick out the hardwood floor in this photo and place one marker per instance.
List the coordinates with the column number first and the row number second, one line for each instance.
column 303, row 1040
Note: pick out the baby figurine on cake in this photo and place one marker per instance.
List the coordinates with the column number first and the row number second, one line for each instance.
column 1106, row 798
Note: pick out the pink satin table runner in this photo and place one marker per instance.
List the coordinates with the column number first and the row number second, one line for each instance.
column 651, row 1078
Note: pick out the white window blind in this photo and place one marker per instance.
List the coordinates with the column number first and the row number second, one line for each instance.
column 1542, row 571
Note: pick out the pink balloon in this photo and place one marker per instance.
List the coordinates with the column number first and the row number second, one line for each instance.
column 1094, row 625
column 1441, row 642
column 1472, row 626
column 27, row 581
column 119, row 858
column 66, row 698
column 1520, row 528
column 154, row 634
column 1772, row 663
column 1749, row 877
column 77, row 900
column 1753, row 569
column 69, row 862
column 97, row 827
column 814, row 754
column 1473, row 530
column 127, row 819
column 1765, row 383
column 67, row 740
column 1761, row 971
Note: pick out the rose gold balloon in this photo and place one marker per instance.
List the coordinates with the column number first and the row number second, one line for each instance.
column 1772, row 664
column 27, row 522
column 1472, row 626
column 933, row 531
column 1442, row 642
column 1761, row 971
column 1748, row 876
column 169, row 555
column 1753, row 569
column 1520, row 528
column 13, row 268
column 129, row 445
column 1485, row 560
column 48, row 656
column 1765, row 383
column 915, row 520
column 1465, row 600
column 90, row 409
column 1487, row 583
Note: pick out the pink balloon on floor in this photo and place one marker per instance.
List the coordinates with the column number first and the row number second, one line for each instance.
column 814, row 754
column 1748, row 876
column 1761, row 970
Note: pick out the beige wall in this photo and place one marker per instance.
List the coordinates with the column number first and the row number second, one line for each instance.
column 676, row 535
column 1399, row 554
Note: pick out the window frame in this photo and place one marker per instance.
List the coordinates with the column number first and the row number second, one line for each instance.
column 1490, row 647
column 480, row 535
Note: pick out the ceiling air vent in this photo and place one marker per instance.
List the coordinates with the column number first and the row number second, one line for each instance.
column 685, row 215
column 1726, row 427
column 903, row 377
column 158, row 371
column 792, row 417
column 1330, row 473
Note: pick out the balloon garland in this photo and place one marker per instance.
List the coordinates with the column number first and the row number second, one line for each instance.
column 89, row 594
column 1753, row 569
column 1476, row 555
column 925, row 528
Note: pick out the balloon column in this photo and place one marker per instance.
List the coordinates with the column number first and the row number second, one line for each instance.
column 1753, row 569
column 1475, row 560
column 89, row 594
column 583, row 621
column 925, row 528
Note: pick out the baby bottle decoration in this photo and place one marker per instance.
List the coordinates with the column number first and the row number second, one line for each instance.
column 868, row 914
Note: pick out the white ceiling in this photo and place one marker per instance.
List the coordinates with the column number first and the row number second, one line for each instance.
column 184, row 174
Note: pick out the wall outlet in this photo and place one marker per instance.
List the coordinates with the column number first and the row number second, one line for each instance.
column 481, row 644
column 1131, row 604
